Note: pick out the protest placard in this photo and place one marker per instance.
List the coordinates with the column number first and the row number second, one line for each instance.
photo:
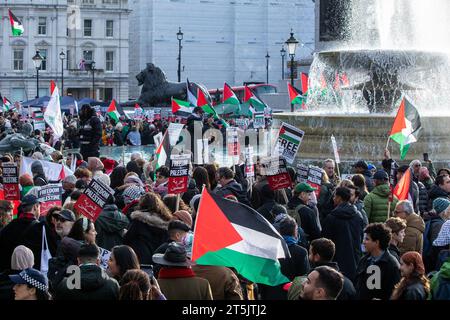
column 302, row 173
column 335, row 149
column 233, row 141
column 288, row 142
column 49, row 196
column 179, row 174
column 315, row 178
column 174, row 132
column 249, row 166
column 259, row 122
column 276, row 171
column 94, row 198
column 10, row 174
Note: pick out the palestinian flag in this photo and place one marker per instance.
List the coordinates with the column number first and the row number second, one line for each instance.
column 16, row 25
column 181, row 108
column 294, row 96
column 406, row 128
column 229, row 97
column 204, row 104
column 138, row 109
column 163, row 152
column 401, row 190
column 190, row 93
column 290, row 134
column 7, row 105
column 231, row 234
column 249, row 97
column 38, row 116
column 112, row 111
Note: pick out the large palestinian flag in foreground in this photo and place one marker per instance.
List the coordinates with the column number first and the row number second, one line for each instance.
column 406, row 127
column 231, row 234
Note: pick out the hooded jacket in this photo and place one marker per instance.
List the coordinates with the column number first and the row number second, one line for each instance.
column 442, row 275
column 110, row 226
column 413, row 240
column 90, row 134
column 436, row 192
column 344, row 227
column 147, row 231
column 376, row 204
column 234, row 188
column 39, row 178
column 95, row 285
column 308, row 218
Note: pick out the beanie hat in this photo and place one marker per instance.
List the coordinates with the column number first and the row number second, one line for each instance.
column 440, row 204
column 26, row 180
column 184, row 216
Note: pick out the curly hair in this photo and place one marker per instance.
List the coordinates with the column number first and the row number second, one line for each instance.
column 170, row 200
column 151, row 202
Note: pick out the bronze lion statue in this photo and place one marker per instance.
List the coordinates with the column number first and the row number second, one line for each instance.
column 157, row 91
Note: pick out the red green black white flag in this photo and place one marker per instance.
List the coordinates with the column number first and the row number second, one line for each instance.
column 16, row 26
column 231, row 234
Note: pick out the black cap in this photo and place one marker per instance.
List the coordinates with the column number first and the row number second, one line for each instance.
column 381, row 175
column 67, row 215
column 29, row 200
column 361, row 164
column 178, row 225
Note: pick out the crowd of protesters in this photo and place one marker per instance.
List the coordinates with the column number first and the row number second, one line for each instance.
column 353, row 240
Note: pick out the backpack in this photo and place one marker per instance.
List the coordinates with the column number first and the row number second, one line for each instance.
column 427, row 244
column 57, row 268
column 442, row 290
column 294, row 213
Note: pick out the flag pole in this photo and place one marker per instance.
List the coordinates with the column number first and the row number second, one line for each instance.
column 178, row 202
column 283, row 192
column 387, row 143
column 338, row 172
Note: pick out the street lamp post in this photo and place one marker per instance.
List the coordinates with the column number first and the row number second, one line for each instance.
column 267, row 67
column 283, row 55
column 93, row 79
column 179, row 37
column 37, row 61
column 292, row 46
column 62, row 56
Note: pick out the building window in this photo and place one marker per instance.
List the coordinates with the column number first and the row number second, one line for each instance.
column 109, row 60
column 88, row 28
column 68, row 59
column 17, row 94
column 109, row 28
column 18, row 59
column 88, row 55
column 42, row 26
column 108, row 94
column 88, row 1
column 43, row 53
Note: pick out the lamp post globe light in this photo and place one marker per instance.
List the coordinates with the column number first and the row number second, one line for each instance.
column 283, row 55
column 292, row 46
column 267, row 67
column 62, row 56
column 37, row 61
column 180, row 38
column 93, row 78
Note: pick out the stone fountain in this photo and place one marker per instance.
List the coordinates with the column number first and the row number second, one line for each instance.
column 370, row 54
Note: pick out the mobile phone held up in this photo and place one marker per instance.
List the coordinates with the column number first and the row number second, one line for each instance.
column 148, row 269
column 426, row 158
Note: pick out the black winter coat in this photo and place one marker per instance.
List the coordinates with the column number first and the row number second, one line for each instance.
column 192, row 190
column 423, row 198
column 146, row 233
column 414, row 291
column 389, row 273
column 308, row 219
column 19, row 232
column 90, row 136
column 435, row 192
column 40, row 180
column 117, row 138
column 95, row 285
column 265, row 209
column 110, row 227
column 295, row 266
column 344, row 227
column 234, row 188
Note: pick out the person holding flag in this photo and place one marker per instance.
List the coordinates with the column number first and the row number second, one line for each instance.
column 90, row 132
column 52, row 114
